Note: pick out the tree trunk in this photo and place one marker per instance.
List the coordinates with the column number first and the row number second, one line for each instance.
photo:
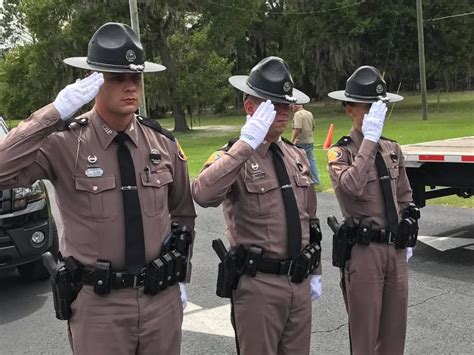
column 180, row 124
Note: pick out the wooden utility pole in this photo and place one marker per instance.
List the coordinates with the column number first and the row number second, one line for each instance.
column 421, row 58
column 136, row 27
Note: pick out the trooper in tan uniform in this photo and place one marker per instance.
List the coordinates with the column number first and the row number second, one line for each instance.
column 271, row 314
column 375, row 281
column 82, row 162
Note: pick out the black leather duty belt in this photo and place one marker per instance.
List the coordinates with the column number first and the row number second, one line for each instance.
column 118, row 280
column 383, row 236
column 277, row 267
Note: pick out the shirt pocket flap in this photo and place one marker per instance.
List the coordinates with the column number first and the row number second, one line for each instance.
column 156, row 178
column 261, row 186
column 394, row 173
column 302, row 180
column 95, row 185
column 372, row 175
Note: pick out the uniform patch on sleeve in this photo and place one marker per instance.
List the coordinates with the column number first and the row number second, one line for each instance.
column 334, row 154
column 180, row 152
column 213, row 157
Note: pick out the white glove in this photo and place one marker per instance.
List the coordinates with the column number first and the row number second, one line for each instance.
column 74, row 96
column 372, row 124
column 184, row 294
column 255, row 129
column 409, row 253
column 316, row 287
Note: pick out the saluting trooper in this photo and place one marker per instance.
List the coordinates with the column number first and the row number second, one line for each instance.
column 107, row 220
column 374, row 281
column 271, row 314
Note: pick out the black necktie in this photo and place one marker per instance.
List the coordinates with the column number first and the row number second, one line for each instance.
column 134, row 241
column 390, row 209
column 293, row 222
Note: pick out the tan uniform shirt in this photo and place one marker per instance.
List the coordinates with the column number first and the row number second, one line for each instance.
column 303, row 119
column 83, row 167
column 355, row 179
column 246, row 183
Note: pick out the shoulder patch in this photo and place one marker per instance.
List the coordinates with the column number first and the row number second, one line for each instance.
column 345, row 140
column 388, row 139
column 213, row 157
column 229, row 144
column 180, row 152
column 156, row 126
column 334, row 154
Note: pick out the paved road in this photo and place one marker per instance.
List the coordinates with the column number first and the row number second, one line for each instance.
column 441, row 314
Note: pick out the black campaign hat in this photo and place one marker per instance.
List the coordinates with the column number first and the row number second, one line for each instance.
column 271, row 80
column 115, row 48
column 365, row 85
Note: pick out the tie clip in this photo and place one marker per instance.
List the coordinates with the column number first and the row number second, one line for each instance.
column 286, row 186
column 128, row 188
column 384, row 177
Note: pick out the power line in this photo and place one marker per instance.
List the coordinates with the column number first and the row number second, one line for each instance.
column 450, row 16
column 288, row 13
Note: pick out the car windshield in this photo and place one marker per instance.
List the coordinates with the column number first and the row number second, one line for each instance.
column 3, row 129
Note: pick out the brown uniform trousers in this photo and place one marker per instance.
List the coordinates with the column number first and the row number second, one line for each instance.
column 82, row 165
column 375, row 283
column 272, row 315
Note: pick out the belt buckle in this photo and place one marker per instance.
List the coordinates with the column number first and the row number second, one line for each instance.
column 290, row 268
column 139, row 280
column 391, row 238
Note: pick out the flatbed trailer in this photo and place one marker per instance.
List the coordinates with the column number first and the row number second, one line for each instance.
column 440, row 168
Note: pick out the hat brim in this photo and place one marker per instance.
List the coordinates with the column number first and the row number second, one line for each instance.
column 341, row 95
column 240, row 82
column 81, row 62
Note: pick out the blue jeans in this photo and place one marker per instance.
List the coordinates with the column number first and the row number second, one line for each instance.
column 309, row 149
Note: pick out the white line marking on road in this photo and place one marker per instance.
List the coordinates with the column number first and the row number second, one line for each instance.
column 214, row 321
column 446, row 243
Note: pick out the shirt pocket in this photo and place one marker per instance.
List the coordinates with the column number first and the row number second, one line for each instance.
column 261, row 199
column 96, row 197
column 155, row 191
column 302, row 183
column 371, row 187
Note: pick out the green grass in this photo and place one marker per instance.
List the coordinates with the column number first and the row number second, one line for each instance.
column 452, row 116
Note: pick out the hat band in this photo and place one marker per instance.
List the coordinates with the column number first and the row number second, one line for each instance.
column 284, row 97
column 363, row 97
column 133, row 67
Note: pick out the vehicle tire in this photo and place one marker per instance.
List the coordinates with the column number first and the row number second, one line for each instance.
column 35, row 270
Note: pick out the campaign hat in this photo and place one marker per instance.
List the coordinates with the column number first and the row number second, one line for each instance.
column 365, row 85
column 115, row 48
column 271, row 80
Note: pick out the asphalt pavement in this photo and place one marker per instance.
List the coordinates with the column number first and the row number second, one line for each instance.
column 441, row 296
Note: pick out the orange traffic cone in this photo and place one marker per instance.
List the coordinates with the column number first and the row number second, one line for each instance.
column 327, row 142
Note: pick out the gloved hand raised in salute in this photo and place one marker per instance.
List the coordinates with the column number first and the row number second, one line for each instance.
column 373, row 121
column 74, row 96
column 256, row 128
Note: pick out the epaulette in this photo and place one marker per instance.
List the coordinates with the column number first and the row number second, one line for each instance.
column 229, row 144
column 345, row 140
column 156, row 126
column 388, row 139
column 76, row 122
column 287, row 141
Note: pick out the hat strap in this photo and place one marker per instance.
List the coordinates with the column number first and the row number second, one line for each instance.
column 362, row 97
column 285, row 97
column 133, row 67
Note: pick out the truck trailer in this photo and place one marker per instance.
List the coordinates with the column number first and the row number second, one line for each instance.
column 440, row 168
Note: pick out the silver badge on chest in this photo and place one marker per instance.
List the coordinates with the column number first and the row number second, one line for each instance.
column 93, row 170
column 155, row 156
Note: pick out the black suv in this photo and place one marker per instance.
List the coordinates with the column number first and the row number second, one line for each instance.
column 27, row 227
